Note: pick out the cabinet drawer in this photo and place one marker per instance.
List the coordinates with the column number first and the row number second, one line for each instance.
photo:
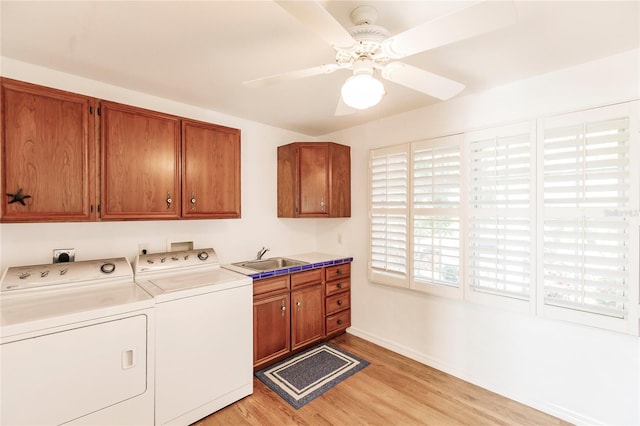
column 337, row 286
column 270, row 285
column 300, row 279
column 338, row 271
column 337, row 302
column 339, row 321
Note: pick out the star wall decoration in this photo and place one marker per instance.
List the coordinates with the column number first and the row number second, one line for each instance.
column 18, row 197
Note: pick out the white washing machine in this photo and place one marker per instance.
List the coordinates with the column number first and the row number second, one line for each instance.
column 204, row 333
column 75, row 345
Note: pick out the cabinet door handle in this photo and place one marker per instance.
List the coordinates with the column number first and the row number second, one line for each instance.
column 169, row 200
column 193, row 201
column 322, row 204
column 298, row 304
column 283, row 307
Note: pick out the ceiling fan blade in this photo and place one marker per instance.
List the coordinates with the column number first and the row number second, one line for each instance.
column 291, row 75
column 316, row 17
column 343, row 109
column 421, row 80
column 474, row 20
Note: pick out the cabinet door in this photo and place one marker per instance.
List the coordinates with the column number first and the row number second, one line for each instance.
column 140, row 163
column 307, row 315
column 271, row 328
column 314, row 179
column 211, row 171
column 340, row 177
column 47, row 154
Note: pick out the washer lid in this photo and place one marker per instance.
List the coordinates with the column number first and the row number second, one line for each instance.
column 189, row 284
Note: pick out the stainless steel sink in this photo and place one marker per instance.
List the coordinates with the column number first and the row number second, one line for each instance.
column 270, row 264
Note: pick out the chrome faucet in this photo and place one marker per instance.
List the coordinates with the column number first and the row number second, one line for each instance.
column 261, row 253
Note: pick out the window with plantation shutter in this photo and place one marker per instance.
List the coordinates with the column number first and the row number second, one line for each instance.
column 436, row 217
column 500, row 238
column 388, row 215
column 540, row 217
column 589, row 187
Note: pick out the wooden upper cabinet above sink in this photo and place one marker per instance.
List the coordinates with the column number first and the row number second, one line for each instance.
column 314, row 180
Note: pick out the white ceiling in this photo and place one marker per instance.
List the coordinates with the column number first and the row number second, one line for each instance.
column 200, row 52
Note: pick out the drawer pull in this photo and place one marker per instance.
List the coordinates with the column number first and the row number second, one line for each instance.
column 339, row 285
column 339, row 302
column 339, row 322
column 339, row 271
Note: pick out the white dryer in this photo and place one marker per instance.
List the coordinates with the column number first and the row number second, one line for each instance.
column 204, row 333
column 75, row 345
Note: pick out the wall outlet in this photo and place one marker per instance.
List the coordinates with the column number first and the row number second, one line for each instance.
column 64, row 255
column 143, row 248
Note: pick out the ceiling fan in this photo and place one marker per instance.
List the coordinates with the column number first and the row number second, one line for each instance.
column 367, row 49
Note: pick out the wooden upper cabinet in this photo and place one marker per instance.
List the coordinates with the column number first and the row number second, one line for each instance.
column 210, row 170
column 140, row 168
column 314, row 180
column 47, row 154
column 149, row 165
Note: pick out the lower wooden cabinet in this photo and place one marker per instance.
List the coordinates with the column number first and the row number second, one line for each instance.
column 271, row 328
column 307, row 308
column 292, row 312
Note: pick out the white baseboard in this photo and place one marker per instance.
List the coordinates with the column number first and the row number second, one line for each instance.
column 529, row 400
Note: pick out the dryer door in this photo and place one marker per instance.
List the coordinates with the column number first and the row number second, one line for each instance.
column 55, row 378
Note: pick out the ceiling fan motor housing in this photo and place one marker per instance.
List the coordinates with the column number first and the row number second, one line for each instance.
column 369, row 40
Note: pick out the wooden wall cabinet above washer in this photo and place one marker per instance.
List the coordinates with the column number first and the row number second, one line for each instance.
column 314, row 180
column 140, row 168
column 158, row 166
column 150, row 165
column 47, row 154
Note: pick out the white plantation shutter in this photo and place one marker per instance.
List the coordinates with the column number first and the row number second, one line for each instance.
column 389, row 212
column 500, row 241
column 590, row 217
column 436, row 215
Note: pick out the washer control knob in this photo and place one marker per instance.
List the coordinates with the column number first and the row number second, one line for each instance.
column 203, row 255
column 108, row 267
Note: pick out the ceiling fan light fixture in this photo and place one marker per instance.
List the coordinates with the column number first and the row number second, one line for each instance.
column 362, row 91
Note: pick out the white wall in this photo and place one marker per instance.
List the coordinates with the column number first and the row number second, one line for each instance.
column 233, row 239
column 585, row 375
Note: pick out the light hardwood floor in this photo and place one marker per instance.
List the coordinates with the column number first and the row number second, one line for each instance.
column 392, row 390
